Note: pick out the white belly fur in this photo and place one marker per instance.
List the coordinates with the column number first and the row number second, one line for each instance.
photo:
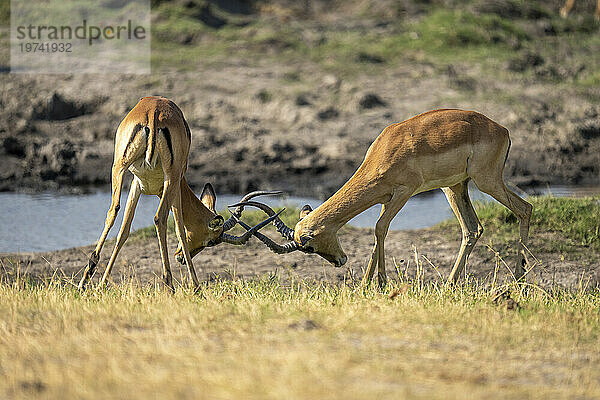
column 444, row 169
column 151, row 178
column 444, row 182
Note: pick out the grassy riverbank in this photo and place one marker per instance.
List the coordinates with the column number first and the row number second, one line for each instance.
column 566, row 227
column 258, row 329
column 259, row 339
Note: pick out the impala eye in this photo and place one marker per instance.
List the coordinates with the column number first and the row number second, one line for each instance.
column 216, row 223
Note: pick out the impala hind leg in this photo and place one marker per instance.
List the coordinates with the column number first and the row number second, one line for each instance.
column 180, row 231
column 388, row 212
column 458, row 197
column 132, row 200
column 522, row 209
column 117, row 184
column 160, row 222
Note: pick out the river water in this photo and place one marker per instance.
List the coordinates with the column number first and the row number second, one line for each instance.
column 49, row 221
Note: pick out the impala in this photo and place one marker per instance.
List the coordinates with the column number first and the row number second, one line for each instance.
column 437, row 149
column 566, row 9
column 153, row 142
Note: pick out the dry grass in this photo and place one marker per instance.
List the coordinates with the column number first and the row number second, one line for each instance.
column 261, row 340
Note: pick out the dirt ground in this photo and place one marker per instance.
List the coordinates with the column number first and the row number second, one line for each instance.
column 435, row 249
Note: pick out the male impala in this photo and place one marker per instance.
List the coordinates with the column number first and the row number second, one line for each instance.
column 437, row 149
column 566, row 9
column 153, row 142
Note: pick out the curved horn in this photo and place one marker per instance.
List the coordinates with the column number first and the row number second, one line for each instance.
column 274, row 247
column 239, row 240
column 282, row 228
column 230, row 223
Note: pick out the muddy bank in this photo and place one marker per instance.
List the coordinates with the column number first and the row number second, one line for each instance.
column 256, row 127
column 292, row 94
column 140, row 259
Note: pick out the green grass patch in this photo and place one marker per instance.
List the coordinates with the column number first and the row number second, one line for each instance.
column 451, row 29
column 578, row 220
column 5, row 13
column 175, row 20
column 558, row 224
column 442, row 34
column 488, row 35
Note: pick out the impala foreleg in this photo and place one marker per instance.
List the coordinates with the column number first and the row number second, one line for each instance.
column 388, row 212
column 132, row 200
column 458, row 197
column 368, row 276
column 180, row 231
column 111, row 215
column 160, row 222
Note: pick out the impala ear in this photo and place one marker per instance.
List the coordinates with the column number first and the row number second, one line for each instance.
column 304, row 239
column 305, row 211
column 216, row 223
column 208, row 197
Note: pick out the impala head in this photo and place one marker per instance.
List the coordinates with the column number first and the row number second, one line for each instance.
column 320, row 241
column 204, row 227
column 305, row 237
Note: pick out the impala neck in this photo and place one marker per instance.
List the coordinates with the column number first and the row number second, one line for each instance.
column 194, row 211
column 357, row 195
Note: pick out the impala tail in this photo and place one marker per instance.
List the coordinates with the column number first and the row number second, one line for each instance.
column 151, row 140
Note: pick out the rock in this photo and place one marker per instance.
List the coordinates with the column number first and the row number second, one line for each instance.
column 370, row 100
column 547, row 27
column 559, row 71
column 207, row 16
column 541, row 112
column 328, row 113
column 302, row 100
column 304, row 325
column 589, row 130
column 331, row 82
column 14, row 147
column 56, row 108
column 459, row 81
column 591, row 113
column 525, row 61
column 58, row 159
column 369, row 58
column 502, row 8
column 264, row 96
column 186, row 38
column 510, row 9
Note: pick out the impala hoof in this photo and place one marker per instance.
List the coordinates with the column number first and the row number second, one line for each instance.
column 340, row 261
